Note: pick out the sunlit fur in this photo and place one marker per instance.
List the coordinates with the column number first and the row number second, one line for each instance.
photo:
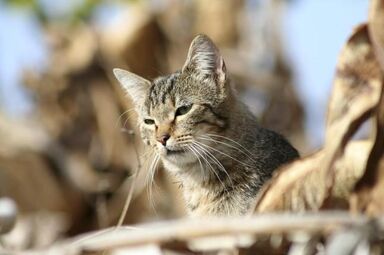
column 217, row 149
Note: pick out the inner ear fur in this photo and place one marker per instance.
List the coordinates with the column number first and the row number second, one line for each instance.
column 205, row 60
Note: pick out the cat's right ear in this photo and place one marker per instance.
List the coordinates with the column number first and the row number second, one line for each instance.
column 136, row 86
column 205, row 60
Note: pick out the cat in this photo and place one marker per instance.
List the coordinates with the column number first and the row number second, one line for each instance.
column 204, row 134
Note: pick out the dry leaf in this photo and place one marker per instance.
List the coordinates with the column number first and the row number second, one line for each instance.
column 299, row 186
column 376, row 31
column 355, row 94
column 325, row 179
column 369, row 191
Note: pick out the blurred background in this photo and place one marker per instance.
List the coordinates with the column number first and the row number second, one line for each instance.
column 68, row 145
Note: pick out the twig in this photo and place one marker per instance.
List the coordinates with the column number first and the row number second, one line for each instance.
column 186, row 229
column 132, row 187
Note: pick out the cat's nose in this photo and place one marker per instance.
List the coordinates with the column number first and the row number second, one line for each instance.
column 163, row 139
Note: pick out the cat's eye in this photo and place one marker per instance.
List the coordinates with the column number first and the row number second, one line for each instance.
column 149, row 121
column 183, row 110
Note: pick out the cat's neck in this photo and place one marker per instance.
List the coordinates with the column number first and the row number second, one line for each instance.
column 216, row 194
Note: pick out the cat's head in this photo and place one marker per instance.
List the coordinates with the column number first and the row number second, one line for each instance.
column 175, row 110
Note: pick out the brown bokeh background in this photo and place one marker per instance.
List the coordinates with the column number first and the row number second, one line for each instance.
column 69, row 164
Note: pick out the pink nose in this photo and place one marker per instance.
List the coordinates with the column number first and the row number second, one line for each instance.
column 163, row 139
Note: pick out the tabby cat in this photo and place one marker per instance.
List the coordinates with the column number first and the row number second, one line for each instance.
column 204, row 134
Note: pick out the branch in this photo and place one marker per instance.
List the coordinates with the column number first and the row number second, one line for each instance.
column 186, row 229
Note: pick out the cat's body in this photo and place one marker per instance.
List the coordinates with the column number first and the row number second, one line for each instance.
column 205, row 135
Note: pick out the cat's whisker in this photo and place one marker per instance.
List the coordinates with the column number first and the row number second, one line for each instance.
column 126, row 120
column 150, row 178
column 198, row 158
column 231, row 140
column 207, row 138
column 153, row 182
column 147, row 176
column 225, row 154
column 146, row 153
column 225, row 188
column 121, row 116
column 201, row 145
column 215, row 160
column 203, row 153
column 153, row 172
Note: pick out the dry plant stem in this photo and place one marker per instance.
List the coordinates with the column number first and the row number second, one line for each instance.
column 102, row 213
column 131, row 188
column 130, row 191
column 197, row 228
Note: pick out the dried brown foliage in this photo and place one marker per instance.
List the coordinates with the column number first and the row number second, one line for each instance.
column 83, row 159
column 369, row 191
column 315, row 182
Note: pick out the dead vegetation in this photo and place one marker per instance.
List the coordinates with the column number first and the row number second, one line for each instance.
column 72, row 167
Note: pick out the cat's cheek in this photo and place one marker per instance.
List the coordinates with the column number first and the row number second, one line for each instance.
column 146, row 136
column 146, row 141
column 161, row 150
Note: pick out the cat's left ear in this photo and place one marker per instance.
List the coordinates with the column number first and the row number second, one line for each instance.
column 205, row 60
column 136, row 86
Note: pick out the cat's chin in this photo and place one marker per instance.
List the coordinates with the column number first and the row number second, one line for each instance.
column 177, row 157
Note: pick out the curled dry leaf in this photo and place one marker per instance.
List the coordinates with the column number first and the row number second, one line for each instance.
column 324, row 179
column 369, row 191
column 376, row 31
column 356, row 92
column 300, row 185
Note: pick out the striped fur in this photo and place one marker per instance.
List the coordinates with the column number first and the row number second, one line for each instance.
column 216, row 148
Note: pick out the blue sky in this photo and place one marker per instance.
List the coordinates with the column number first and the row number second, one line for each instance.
column 314, row 31
column 21, row 45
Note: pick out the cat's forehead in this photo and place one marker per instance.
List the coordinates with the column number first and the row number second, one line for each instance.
column 169, row 92
column 163, row 89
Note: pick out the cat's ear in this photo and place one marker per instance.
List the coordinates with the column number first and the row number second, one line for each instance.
column 136, row 86
column 204, row 59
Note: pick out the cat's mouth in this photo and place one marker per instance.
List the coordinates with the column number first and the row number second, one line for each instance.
column 174, row 152
column 171, row 151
